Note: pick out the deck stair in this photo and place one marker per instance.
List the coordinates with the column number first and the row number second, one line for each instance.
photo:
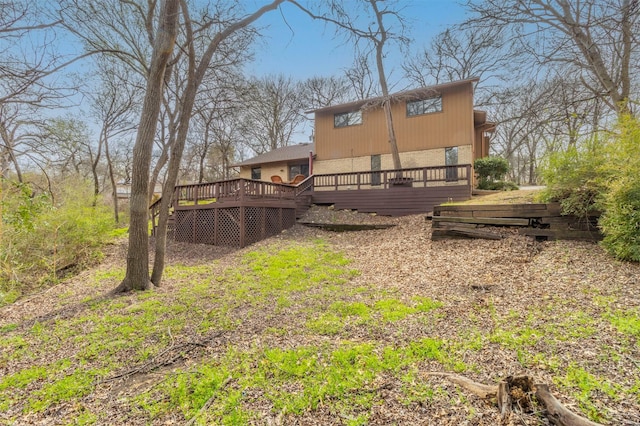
column 542, row 221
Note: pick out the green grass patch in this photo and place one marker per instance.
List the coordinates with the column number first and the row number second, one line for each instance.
column 75, row 385
column 626, row 322
column 294, row 380
column 584, row 387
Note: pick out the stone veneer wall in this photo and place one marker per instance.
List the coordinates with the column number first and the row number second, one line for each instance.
column 426, row 158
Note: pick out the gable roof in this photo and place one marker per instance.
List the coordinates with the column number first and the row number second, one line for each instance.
column 414, row 93
column 278, row 155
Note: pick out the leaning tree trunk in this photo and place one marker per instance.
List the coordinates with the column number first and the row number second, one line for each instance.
column 195, row 78
column 137, row 276
column 382, row 77
column 112, row 179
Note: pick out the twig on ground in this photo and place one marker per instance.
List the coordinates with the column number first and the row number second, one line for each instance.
column 209, row 401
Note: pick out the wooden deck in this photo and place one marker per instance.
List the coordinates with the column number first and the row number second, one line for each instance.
column 239, row 212
column 235, row 212
column 418, row 191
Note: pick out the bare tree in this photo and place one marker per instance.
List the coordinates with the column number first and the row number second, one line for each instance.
column 197, row 69
column 137, row 275
column 214, row 141
column 595, row 38
column 320, row 92
column 361, row 78
column 273, row 108
column 484, row 53
column 375, row 37
column 114, row 106
column 540, row 117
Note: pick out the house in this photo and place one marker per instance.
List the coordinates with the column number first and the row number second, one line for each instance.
column 434, row 126
column 285, row 162
column 439, row 135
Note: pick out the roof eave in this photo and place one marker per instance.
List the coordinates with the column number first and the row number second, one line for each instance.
column 406, row 93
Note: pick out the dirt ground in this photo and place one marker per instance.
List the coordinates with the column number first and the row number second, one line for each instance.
column 495, row 291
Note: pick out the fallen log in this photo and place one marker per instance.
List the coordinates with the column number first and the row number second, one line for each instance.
column 479, row 389
column 514, row 394
column 557, row 413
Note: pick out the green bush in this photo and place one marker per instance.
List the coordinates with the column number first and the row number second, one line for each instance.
column 43, row 241
column 620, row 203
column 620, row 221
column 574, row 177
column 499, row 185
column 491, row 172
column 602, row 176
column 491, row 168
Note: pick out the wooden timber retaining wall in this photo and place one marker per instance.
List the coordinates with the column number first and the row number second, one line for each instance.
column 543, row 221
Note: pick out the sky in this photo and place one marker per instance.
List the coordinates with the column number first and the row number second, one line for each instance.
column 296, row 45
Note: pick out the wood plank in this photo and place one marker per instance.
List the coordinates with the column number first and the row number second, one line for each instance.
column 483, row 220
column 446, row 225
column 341, row 227
column 466, row 232
column 523, row 214
column 561, row 234
column 490, row 207
column 392, row 202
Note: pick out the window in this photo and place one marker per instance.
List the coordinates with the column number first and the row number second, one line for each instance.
column 375, row 170
column 424, row 106
column 345, row 119
column 451, row 161
column 256, row 173
column 298, row 169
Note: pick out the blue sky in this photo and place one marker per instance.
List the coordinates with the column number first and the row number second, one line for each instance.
column 303, row 48
column 300, row 47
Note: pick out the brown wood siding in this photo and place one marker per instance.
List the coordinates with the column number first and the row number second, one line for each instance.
column 394, row 201
column 451, row 127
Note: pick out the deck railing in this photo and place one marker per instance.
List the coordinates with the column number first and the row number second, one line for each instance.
column 224, row 191
column 416, row 177
column 237, row 190
column 230, row 190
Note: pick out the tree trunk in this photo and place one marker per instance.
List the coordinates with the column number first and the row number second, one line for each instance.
column 112, row 179
column 137, row 275
column 162, row 160
column 395, row 154
column 186, row 108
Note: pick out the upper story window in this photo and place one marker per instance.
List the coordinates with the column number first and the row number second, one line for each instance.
column 424, row 106
column 345, row 119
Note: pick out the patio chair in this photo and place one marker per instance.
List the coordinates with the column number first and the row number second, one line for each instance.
column 276, row 179
column 297, row 179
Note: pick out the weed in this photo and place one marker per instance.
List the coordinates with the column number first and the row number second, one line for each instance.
column 626, row 322
column 327, row 324
column 586, row 385
column 393, row 310
column 7, row 328
column 75, row 385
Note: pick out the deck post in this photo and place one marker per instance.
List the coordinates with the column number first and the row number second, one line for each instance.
column 194, row 226
column 215, row 226
column 243, row 225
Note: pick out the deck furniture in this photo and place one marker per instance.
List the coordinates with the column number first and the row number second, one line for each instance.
column 297, row 179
